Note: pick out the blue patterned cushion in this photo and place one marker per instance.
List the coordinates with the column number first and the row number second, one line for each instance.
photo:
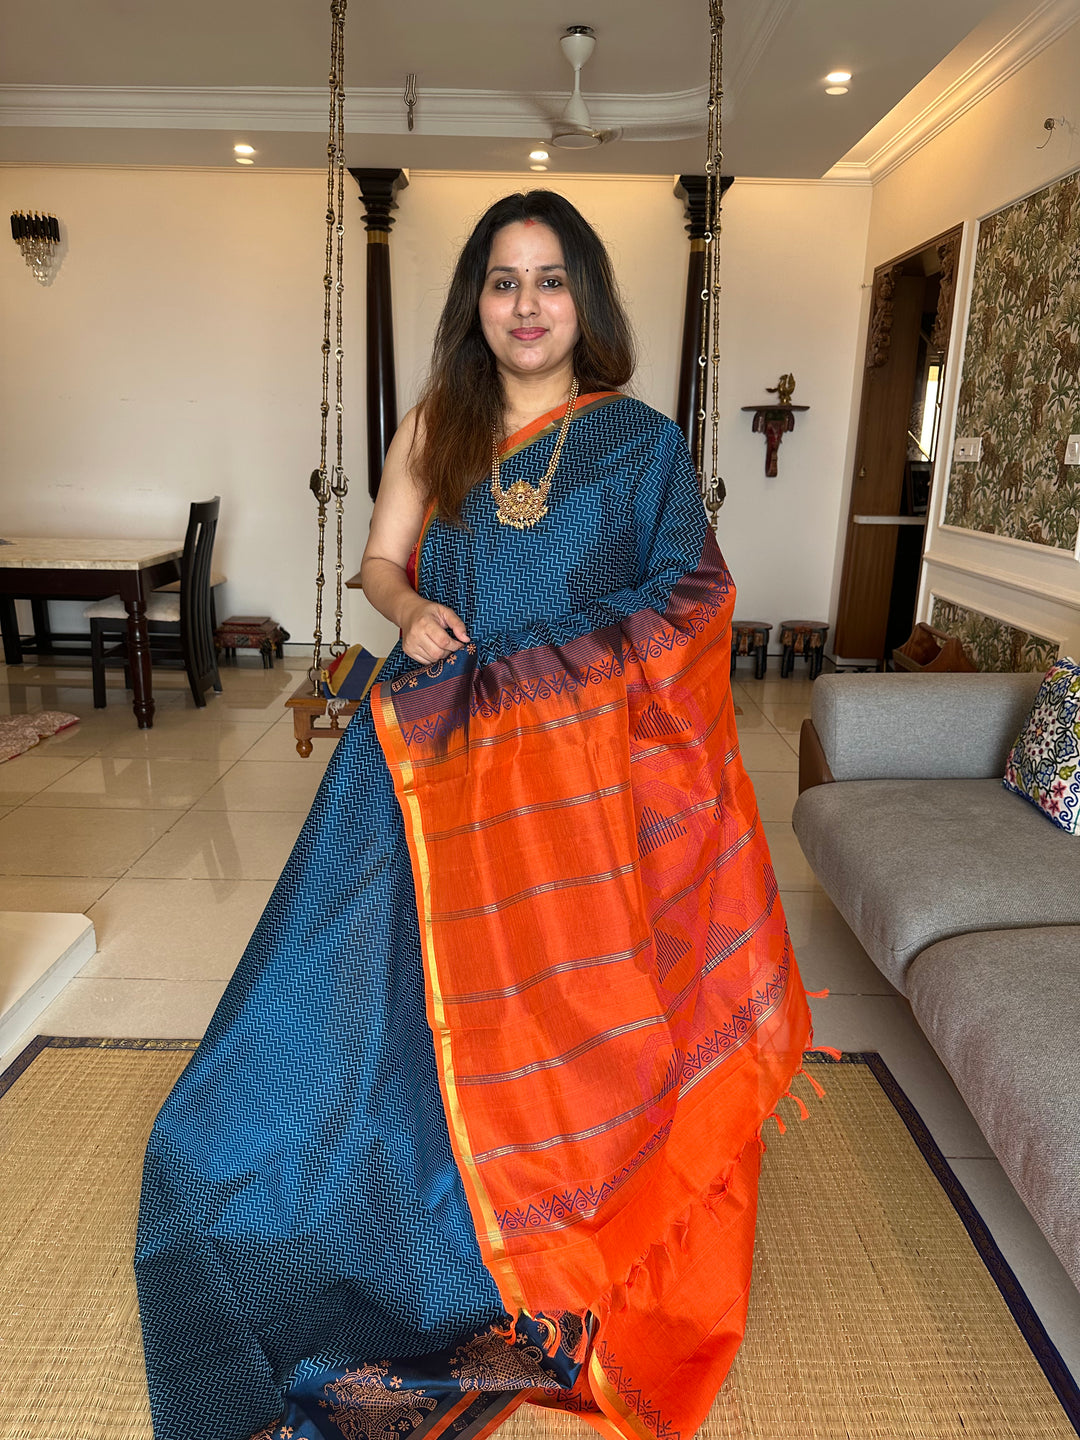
column 1044, row 764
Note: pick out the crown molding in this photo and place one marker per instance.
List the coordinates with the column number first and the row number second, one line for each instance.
column 1040, row 28
column 678, row 115
column 838, row 175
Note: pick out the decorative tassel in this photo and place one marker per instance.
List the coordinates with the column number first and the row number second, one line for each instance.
column 554, row 1334
column 804, row 1113
column 779, row 1123
column 817, row 994
column 577, row 1355
column 818, row 1088
column 829, row 1050
column 506, row 1332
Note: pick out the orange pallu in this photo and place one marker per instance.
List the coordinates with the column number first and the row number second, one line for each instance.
column 610, row 983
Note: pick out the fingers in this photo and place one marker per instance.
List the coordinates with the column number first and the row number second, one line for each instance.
column 429, row 640
column 455, row 625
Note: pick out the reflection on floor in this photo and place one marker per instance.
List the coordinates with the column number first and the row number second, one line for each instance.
column 171, row 839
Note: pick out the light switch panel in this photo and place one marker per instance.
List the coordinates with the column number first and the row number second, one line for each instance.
column 1072, row 450
column 969, row 448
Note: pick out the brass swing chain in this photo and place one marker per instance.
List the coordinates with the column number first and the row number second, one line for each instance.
column 333, row 483
column 713, row 489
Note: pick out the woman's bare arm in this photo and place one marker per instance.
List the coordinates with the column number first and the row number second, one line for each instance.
column 429, row 632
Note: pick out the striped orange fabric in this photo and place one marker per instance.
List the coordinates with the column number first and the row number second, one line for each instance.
column 610, row 982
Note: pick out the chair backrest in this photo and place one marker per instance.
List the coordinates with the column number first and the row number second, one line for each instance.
column 196, row 627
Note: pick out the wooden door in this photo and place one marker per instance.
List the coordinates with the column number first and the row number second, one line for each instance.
column 880, row 452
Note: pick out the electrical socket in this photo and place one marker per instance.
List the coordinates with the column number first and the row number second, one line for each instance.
column 1072, row 450
column 969, row 448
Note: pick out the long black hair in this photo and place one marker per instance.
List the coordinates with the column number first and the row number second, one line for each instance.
column 463, row 398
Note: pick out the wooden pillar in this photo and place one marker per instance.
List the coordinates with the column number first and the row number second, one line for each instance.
column 690, row 189
column 378, row 192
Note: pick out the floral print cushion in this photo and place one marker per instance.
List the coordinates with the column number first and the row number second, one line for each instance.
column 1044, row 764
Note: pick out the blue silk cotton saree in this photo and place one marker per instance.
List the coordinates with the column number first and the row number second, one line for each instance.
column 476, row 1120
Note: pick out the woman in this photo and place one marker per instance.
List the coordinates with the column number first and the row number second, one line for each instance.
column 540, row 851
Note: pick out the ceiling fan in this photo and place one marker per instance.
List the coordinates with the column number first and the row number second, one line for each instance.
column 574, row 129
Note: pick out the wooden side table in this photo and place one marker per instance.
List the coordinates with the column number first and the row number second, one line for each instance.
column 803, row 637
column 751, row 637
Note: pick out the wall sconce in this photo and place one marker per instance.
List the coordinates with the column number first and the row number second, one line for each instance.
column 38, row 237
column 774, row 421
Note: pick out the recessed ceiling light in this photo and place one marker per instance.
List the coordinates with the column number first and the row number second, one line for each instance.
column 538, row 167
column 243, row 160
column 247, row 149
column 538, row 155
column 836, row 90
column 838, row 77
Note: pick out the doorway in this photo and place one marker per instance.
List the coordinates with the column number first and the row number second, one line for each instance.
column 911, row 314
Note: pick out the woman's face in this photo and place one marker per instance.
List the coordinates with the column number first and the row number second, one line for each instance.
column 526, row 310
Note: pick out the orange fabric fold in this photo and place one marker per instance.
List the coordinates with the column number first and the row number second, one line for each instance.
column 610, row 983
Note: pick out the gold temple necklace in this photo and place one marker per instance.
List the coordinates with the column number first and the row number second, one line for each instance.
column 520, row 505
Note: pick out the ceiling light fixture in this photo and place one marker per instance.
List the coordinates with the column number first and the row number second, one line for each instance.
column 539, row 155
column 538, row 167
column 244, row 149
column 243, row 160
column 838, row 77
column 836, row 89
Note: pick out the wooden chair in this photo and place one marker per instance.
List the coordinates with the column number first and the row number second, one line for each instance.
column 180, row 625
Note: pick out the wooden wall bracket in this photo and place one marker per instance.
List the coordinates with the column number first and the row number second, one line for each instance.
column 774, row 422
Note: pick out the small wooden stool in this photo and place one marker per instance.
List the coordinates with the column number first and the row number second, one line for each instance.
column 751, row 637
column 251, row 632
column 802, row 637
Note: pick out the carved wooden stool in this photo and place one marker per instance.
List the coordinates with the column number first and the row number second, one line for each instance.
column 802, row 637
column 251, row 632
column 751, row 637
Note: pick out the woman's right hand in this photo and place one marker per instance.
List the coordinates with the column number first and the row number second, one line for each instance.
column 431, row 632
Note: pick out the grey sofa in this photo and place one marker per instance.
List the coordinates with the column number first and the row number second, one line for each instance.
column 966, row 897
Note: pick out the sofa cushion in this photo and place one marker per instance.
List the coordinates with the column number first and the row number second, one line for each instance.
column 1044, row 764
column 1002, row 1009
column 910, row 862
column 896, row 727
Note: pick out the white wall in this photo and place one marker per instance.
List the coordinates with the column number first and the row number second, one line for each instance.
column 791, row 269
column 176, row 355
column 980, row 163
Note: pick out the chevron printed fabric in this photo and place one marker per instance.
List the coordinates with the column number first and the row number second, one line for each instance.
column 476, row 1120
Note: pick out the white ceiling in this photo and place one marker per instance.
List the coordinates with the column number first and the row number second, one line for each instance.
column 145, row 82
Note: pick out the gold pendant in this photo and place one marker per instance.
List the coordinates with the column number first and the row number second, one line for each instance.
column 520, row 505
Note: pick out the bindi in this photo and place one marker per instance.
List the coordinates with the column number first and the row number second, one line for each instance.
column 527, row 223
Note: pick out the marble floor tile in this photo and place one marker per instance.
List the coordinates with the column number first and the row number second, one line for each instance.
column 139, row 1009
column 89, row 842
column 175, row 929
column 795, row 690
column 264, row 785
column 763, row 750
column 885, row 1023
column 211, row 741
column 751, row 717
column 1042, row 1276
column 46, row 892
column 215, row 845
column 830, row 957
column 787, row 718
column 129, row 784
column 25, row 775
column 279, row 745
column 792, row 871
column 776, row 791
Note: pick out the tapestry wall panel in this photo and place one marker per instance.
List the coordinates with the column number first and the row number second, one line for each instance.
column 1020, row 385
column 991, row 643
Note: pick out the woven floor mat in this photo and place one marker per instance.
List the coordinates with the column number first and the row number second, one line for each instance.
column 872, row 1317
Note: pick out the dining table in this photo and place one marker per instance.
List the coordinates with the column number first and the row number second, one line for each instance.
column 62, row 568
